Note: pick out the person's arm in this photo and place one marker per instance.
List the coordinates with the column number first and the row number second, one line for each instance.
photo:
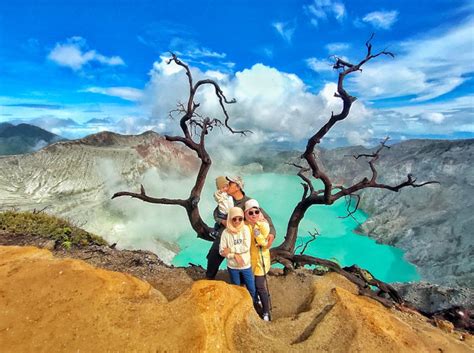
column 224, row 249
column 262, row 232
column 222, row 200
column 219, row 219
column 269, row 220
column 244, row 247
column 230, row 202
column 272, row 234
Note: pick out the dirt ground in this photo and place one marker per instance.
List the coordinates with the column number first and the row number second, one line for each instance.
column 129, row 301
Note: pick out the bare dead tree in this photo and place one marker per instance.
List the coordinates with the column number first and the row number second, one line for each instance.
column 285, row 252
column 195, row 127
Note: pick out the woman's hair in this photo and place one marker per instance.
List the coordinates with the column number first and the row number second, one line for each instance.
column 235, row 212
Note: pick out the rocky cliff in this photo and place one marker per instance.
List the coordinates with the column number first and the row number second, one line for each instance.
column 433, row 224
column 64, row 305
column 76, row 179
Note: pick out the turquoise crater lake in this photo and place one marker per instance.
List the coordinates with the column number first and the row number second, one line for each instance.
column 278, row 194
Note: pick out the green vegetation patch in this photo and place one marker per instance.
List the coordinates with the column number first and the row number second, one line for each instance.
column 47, row 226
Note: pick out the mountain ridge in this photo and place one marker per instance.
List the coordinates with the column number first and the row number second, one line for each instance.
column 24, row 138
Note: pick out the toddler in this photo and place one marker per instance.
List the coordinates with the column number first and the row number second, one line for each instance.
column 224, row 201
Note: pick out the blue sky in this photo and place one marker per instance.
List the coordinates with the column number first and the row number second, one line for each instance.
column 76, row 67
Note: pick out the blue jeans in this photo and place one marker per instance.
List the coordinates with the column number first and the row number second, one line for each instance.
column 247, row 279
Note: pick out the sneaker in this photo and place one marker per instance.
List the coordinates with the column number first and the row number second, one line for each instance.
column 266, row 317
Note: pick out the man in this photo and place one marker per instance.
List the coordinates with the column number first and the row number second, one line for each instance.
column 236, row 190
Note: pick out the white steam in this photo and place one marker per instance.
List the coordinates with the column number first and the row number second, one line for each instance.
column 134, row 224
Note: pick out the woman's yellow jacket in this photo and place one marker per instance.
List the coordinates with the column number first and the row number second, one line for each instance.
column 258, row 248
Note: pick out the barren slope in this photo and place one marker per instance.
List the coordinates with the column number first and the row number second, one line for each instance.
column 64, row 305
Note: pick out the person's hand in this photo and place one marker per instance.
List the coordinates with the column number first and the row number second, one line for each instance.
column 270, row 240
column 226, row 252
column 239, row 259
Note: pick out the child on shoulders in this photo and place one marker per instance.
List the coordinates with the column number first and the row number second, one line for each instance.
column 224, row 201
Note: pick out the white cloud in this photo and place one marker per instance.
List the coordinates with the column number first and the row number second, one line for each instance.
column 449, row 108
column 274, row 105
column 278, row 106
column 127, row 93
column 436, row 118
column 217, row 75
column 323, row 65
column 440, row 118
column 320, row 65
column 285, row 30
column 164, row 68
column 321, row 9
column 423, row 68
column 74, row 54
column 204, row 53
column 356, row 138
column 336, row 48
column 132, row 125
column 268, row 52
column 73, row 121
column 339, row 10
column 381, row 19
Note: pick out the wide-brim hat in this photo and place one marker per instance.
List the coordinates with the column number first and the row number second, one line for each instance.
column 237, row 180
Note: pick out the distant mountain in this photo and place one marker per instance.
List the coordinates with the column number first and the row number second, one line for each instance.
column 97, row 121
column 24, row 138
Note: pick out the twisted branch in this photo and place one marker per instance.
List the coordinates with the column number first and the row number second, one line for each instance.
column 285, row 253
column 313, row 238
column 354, row 274
column 144, row 197
column 192, row 124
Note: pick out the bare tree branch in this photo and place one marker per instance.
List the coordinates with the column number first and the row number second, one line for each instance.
column 144, row 197
column 222, row 99
column 350, row 213
column 313, row 238
column 285, row 252
column 180, row 109
column 290, row 261
column 303, row 170
column 192, row 124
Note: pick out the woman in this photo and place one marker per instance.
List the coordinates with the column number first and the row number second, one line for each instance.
column 259, row 252
column 235, row 247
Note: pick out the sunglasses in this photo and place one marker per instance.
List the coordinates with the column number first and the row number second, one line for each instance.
column 237, row 219
column 256, row 212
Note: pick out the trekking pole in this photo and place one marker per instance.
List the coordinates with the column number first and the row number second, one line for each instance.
column 266, row 283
